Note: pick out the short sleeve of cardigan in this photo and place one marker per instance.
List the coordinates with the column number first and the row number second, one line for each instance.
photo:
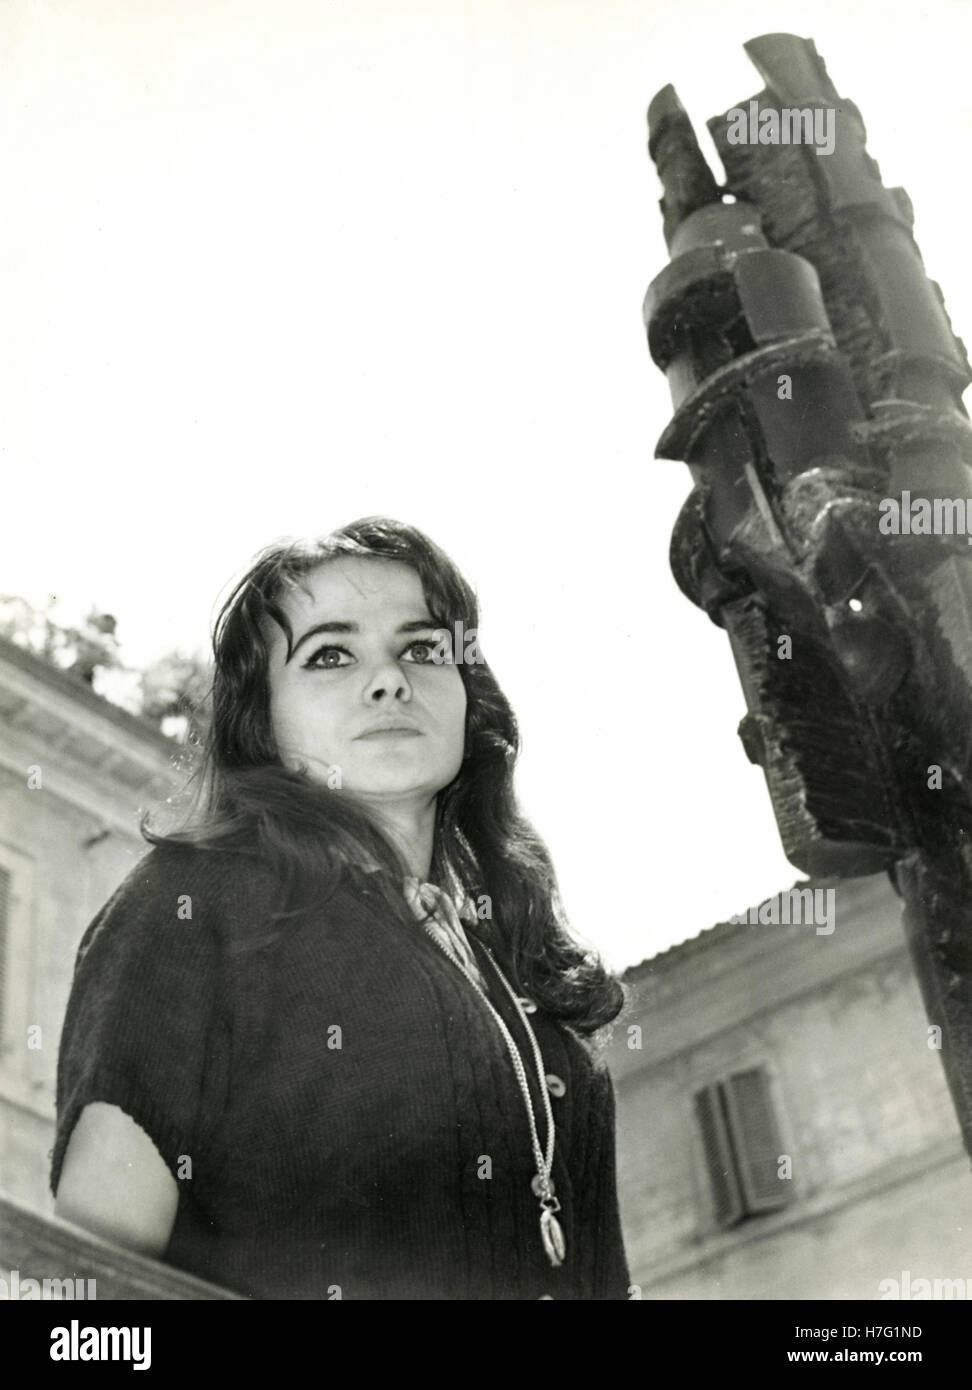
column 142, row 1013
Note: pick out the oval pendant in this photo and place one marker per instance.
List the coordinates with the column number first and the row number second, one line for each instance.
column 553, row 1238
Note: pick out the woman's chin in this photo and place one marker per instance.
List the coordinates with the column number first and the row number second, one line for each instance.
column 390, row 789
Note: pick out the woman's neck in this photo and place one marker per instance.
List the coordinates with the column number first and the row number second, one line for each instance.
column 411, row 827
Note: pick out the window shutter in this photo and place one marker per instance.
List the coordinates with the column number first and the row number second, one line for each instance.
column 4, row 923
column 756, row 1140
column 718, row 1156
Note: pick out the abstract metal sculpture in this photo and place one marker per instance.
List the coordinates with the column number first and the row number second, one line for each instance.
column 817, row 387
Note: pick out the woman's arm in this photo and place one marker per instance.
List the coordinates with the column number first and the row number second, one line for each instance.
column 115, row 1183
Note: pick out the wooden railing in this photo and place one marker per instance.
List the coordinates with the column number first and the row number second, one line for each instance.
column 42, row 1247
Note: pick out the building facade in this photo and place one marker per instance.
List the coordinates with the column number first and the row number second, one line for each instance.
column 75, row 773
column 785, row 1129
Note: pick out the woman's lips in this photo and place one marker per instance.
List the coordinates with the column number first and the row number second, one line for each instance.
column 391, row 733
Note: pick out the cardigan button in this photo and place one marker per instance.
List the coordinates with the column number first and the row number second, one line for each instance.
column 545, row 1295
column 554, row 1085
column 527, row 1005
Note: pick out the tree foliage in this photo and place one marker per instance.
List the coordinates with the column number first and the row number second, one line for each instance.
column 173, row 692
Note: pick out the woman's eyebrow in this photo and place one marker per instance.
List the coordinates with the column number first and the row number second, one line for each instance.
column 413, row 625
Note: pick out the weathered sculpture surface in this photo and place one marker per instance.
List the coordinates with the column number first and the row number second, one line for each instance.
column 817, row 386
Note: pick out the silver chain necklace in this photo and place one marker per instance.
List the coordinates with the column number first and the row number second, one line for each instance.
column 551, row 1231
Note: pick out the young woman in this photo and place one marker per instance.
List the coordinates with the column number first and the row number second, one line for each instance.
column 332, row 1041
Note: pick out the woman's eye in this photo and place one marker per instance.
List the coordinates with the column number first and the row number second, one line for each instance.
column 429, row 651
column 328, row 658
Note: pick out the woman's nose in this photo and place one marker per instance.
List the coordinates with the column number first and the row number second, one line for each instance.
column 388, row 682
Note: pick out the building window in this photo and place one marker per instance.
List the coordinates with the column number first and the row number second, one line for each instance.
column 743, row 1152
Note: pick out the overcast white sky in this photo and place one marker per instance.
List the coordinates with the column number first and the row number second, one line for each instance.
column 270, row 265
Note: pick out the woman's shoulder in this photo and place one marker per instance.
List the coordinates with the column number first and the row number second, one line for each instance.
column 230, row 872
column 217, row 891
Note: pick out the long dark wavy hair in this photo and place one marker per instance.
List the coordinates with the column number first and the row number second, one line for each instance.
column 315, row 837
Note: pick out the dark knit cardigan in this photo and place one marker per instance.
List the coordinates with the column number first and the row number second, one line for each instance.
column 335, row 1101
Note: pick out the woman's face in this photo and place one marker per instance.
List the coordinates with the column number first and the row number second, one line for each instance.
column 358, row 702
